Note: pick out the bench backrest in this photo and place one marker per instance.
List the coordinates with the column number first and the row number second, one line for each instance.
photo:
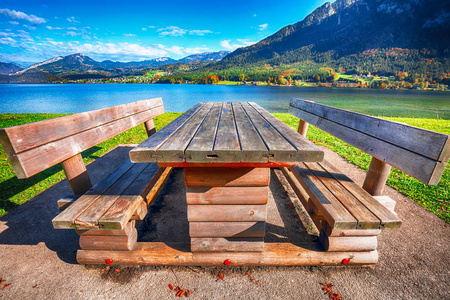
column 34, row 147
column 419, row 153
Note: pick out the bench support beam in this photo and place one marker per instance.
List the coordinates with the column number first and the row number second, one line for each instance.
column 274, row 254
column 377, row 176
column 77, row 175
column 302, row 127
column 150, row 127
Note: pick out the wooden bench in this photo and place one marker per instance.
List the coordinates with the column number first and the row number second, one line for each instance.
column 103, row 215
column 348, row 216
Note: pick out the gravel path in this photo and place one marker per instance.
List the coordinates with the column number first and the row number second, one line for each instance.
column 39, row 261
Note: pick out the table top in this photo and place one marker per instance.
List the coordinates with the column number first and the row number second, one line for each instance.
column 226, row 132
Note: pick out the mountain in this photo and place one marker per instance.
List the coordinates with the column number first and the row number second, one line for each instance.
column 145, row 64
column 32, row 76
column 9, row 68
column 80, row 66
column 207, row 56
column 348, row 27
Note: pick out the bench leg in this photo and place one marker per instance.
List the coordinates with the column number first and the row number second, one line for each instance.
column 376, row 177
column 77, row 175
column 100, row 239
column 348, row 240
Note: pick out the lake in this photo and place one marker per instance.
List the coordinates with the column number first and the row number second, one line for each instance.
column 72, row 98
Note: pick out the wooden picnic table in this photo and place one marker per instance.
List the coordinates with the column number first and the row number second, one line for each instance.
column 226, row 150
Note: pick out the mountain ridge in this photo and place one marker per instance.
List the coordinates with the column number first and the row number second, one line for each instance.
column 347, row 27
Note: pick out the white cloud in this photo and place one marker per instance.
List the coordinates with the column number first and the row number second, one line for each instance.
column 72, row 20
column 147, row 28
column 8, row 41
column 29, row 27
column 53, row 28
column 13, row 22
column 71, row 33
column 129, row 34
column 72, row 28
column 22, row 16
column 172, row 31
column 226, row 44
column 242, row 43
column 177, row 31
column 263, row 26
column 199, row 32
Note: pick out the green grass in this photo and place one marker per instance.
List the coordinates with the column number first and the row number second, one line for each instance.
column 15, row 192
column 227, row 82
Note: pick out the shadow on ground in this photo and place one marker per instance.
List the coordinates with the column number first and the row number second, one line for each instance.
column 31, row 223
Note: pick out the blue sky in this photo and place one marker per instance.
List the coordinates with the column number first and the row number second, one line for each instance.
column 33, row 31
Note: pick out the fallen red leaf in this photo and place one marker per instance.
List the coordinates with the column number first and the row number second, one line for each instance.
column 6, row 286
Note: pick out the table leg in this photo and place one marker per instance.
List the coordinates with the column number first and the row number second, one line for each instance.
column 227, row 208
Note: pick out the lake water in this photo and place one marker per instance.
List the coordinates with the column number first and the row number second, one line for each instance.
column 72, row 98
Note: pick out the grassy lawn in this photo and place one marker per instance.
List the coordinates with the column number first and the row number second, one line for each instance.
column 15, row 192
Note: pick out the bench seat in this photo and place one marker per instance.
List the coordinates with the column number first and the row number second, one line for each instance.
column 112, row 202
column 348, row 217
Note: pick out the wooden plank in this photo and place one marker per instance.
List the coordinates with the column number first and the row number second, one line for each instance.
column 334, row 212
column 227, row 213
column 386, row 201
column 66, row 219
column 210, row 177
column 126, row 231
column 424, row 169
column 90, row 217
column 279, row 148
column 33, row 161
column 28, row 136
column 121, row 243
column 253, row 147
column 227, row 195
column 201, row 146
column 274, row 254
column 376, row 177
column 227, row 229
column 388, row 219
column 424, row 142
column 228, row 165
column 218, row 244
column 347, row 243
column 66, row 201
column 365, row 218
column 296, row 186
column 329, row 231
column 130, row 200
column 306, row 151
column 226, row 144
column 141, row 212
column 146, row 151
column 158, row 184
column 77, row 175
column 173, row 148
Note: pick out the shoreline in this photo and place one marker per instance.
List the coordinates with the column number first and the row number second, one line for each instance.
column 236, row 83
